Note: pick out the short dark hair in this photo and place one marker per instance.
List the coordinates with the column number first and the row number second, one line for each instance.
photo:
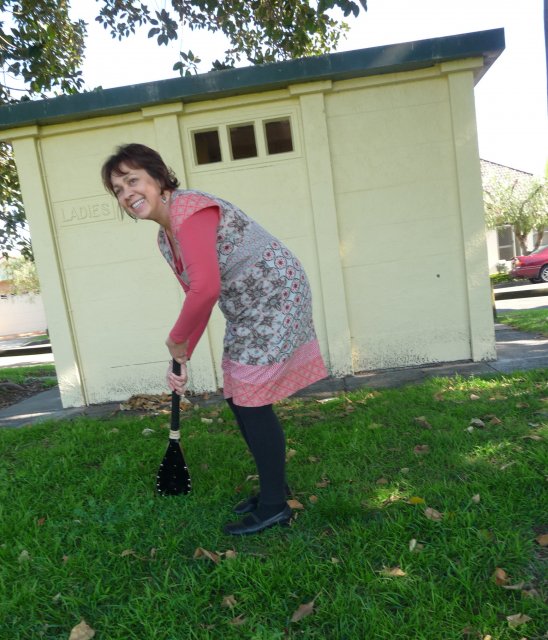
column 138, row 156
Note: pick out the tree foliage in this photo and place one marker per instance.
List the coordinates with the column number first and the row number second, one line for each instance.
column 22, row 275
column 41, row 51
column 258, row 31
column 519, row 201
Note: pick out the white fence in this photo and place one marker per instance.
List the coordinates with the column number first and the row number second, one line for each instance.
column 22, row 314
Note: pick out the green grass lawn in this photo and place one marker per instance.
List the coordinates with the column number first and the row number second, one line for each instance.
column 407, row 515
column 534, row 320
column 21, row 375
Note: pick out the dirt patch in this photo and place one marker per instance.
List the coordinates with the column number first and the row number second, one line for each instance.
column 12, row 393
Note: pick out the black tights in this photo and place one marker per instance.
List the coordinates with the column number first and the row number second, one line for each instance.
column 266, row 441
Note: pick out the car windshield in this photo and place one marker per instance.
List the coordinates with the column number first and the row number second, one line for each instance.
column 543, row 248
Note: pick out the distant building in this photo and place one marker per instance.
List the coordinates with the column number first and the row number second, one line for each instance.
column 502, row 244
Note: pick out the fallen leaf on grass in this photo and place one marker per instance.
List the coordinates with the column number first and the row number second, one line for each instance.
column 252, row 478
column 41, row 521
column 204, row 553
column 477, row 423
column 229, row 554
column 303, row 611
column 513, row 587
column 147, row 432
column 291, row 453
column 335, row 560
column 415, row 546
column 432, row 514
column 542, row 539
column 127, row 552
column 476, row 498
column 313, row 459
column 533, row 437
column 517, row 619
column 494, row 420
column 323, row 483
column 474, row 396
column 324, row 400
column 393, row 572
column 500, row 576
column 295, row 504
column 229, row 601
column 82, row 631
column 416, row 500
column 238, row 620
column 313, row 499
column 24, row 556
column 508, row 464
column 423, row 422
column 421, row 449
column 374, row 425
column 381, row 481
column 207, row 420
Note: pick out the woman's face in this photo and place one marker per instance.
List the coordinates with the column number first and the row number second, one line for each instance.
column 138, row 193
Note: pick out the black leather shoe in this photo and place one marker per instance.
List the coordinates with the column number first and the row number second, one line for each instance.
column 250, row 504
column 253, row 524
column 247, row 505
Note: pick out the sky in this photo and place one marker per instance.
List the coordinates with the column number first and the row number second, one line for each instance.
column 511, row 98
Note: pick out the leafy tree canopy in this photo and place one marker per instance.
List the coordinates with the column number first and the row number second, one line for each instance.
column 517, row 200
column 42, row 49
column 258, row 30
column 22, row 275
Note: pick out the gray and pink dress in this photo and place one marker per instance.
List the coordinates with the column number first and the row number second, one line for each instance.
column 270, row 346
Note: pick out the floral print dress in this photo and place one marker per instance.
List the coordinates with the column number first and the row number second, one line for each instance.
column 270, row 346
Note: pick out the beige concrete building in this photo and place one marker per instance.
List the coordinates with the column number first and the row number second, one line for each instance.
column 365, row 163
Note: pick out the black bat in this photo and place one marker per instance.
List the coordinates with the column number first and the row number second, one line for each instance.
column 173, row 477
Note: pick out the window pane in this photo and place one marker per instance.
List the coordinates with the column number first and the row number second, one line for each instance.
column 207, row 146
column 506, row 253
column 505, row 236
column 242, row 142
column 278, row 136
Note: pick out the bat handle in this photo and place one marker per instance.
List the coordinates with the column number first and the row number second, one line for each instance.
column 175, row 399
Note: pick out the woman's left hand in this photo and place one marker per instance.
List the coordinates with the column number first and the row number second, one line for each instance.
column 177, row 350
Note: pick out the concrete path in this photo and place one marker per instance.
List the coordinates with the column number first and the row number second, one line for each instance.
column 516, row 350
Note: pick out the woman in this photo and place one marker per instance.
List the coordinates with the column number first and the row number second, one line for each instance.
column 221, row 255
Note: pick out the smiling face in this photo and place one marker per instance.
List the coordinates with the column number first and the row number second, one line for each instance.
column 139, row 194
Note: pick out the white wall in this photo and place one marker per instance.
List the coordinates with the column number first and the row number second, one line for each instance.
column 22, row 314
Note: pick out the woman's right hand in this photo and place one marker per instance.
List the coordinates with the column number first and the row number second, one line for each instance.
column 174, row 382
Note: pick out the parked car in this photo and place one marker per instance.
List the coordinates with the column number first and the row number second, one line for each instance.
column 534, row 266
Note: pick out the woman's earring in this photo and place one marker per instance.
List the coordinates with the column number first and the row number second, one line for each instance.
column 163, row 199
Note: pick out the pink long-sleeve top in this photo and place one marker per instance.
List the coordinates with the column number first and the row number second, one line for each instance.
column 197, row 240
